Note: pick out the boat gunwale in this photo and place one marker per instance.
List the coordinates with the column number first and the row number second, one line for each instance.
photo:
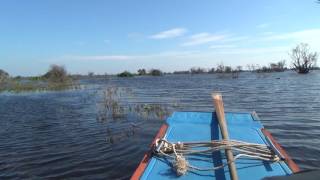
column 148, row 155
column 291, row 164
column 287, row 159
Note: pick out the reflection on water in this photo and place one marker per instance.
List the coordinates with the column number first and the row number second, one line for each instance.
column 123, row 135
column 103, row 130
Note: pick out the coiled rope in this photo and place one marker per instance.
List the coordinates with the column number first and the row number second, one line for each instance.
column 178, row 152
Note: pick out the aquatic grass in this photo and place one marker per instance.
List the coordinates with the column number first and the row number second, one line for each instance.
column 148, row 111
column 142, row 112
column 110, row 107
column 114, row 105
column 17, row 86
column 55, row 79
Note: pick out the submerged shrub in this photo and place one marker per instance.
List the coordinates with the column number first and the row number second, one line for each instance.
column 3, row 75
column 155, row 72
column 142, row 72
column 197, row 70
column 227, row 69
column 125, row 74
column 220, row 68
column 57, row 74
column 302, row 59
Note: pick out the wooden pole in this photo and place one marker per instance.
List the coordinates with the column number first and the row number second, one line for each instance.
column 218, row 104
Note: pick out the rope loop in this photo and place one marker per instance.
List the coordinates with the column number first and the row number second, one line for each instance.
column 180, row 150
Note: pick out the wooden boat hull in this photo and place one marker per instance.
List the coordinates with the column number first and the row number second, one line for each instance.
column 203, row 126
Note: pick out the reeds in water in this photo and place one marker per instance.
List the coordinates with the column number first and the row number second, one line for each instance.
column 115, row 104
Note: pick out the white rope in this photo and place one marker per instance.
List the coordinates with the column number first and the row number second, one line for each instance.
column 178, row 152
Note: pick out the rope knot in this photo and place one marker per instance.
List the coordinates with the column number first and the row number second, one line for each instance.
column 179, row 151
column 179, row 145
column 180, row 165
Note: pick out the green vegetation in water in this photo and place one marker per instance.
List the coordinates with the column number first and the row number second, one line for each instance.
column 141, row 72
column 125, row 74
column 56, row 78
column 4, row 76
column 114, row 105
column 155, row 72
column 111, row 103
column 151, row 111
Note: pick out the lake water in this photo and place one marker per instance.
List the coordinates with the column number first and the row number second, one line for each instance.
column 60, row 135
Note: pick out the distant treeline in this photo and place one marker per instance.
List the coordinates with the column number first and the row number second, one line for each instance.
column 220, row 68
column 141, row 72
column 302, row 61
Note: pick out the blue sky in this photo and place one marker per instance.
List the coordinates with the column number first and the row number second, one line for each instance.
column 109, row 36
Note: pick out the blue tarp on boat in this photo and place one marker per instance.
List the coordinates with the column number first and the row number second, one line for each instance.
column 203, row 126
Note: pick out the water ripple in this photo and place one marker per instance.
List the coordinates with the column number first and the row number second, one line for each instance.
column 55, row 135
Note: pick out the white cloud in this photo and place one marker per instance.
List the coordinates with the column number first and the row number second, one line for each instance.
column 263, row 25
column 164, row 54
column 304, row 34
column 203, row 38
column 169, row 54
column 267, row 33
column 235, row 38
column 310, row 36
column 171, row 33
column 226, row 47
column 176, row 60
column 254, row 50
